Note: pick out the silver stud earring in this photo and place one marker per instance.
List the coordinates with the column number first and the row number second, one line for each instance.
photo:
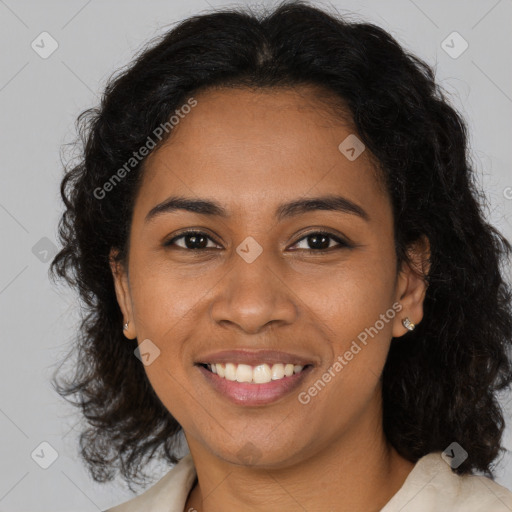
column 408, row 324
column 125, row 326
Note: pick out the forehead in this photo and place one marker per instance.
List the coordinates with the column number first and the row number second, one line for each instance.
column 247, row 146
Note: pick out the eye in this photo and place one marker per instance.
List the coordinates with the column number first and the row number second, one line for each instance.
column 193, row 240
column 320, row 241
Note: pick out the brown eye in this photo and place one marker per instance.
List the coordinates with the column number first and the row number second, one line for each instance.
column 193, row 240
column 319, row 241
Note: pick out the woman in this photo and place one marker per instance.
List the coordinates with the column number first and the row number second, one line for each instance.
column 283, row 257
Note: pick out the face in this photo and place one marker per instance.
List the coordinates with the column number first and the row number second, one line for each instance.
column 305, row 283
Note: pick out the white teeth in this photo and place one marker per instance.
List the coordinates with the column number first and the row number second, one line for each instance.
column 230, row 372
column 260, row 374
column 288, row 370
column 220, row 370
column 243, row 373
column 277, row 371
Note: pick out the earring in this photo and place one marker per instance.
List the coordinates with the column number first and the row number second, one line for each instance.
column 408, row 324
column 125, row 326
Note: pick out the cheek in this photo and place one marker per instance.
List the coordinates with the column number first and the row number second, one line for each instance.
column 356, row 312
column 162, row 312
column 350, row 298
column 164, row 301
column 166, row 381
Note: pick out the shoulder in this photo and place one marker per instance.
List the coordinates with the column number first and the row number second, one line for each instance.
column 169, row 493
column 433, row 486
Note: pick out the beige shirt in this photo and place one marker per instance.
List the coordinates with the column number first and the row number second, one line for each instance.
column 431, row 486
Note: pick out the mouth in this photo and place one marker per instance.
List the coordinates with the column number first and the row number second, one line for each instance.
column 253, row 385
column 254, row 374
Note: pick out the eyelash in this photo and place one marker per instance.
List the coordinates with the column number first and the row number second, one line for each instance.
column 342, row 243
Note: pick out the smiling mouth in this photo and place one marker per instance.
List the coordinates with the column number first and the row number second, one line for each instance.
column 258, row 374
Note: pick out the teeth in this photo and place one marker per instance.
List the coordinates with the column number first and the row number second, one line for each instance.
column 260, row 374
column 277, row 371
column 230, row 372
column 243, row 373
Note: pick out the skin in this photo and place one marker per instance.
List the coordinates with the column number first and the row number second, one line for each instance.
column 251, row 151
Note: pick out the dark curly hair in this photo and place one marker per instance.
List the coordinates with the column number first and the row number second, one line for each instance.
column 440, row 383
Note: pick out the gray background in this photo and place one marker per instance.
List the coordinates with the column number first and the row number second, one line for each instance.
column 40, row 99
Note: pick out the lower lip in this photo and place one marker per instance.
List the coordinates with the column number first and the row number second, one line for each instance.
column 250, row 394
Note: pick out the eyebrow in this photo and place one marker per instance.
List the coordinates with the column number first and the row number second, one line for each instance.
column 286, row 210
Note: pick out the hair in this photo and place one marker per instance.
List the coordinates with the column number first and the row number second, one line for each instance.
column 440, row 383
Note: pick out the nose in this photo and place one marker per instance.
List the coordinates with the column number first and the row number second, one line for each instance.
column 253, row 295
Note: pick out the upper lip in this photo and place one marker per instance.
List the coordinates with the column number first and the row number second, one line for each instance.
column 254, row 357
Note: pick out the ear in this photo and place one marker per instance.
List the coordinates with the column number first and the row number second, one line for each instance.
column 123, row 294
column 412, row 285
